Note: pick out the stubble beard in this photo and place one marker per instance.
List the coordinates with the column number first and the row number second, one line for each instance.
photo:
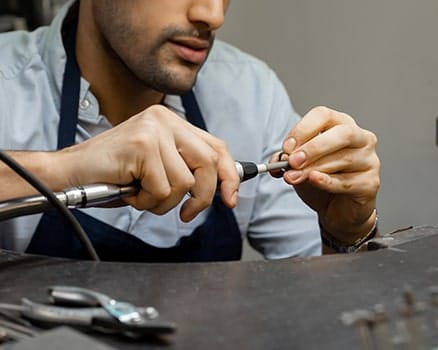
column 163, row 72
column 159, row 77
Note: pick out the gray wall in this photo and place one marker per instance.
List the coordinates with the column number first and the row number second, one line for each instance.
column 376, row 60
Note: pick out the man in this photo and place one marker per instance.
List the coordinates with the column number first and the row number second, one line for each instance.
column 136, row 69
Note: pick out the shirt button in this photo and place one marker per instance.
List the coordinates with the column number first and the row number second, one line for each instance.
column 85, row 104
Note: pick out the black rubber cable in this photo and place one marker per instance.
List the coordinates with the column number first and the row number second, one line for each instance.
column 37, row 184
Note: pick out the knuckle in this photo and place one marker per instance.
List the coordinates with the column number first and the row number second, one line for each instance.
column 322, row 110
column 155, row 115
column 373, row 186
column 376, row 183
column 220, row 146
column 157, row 110
column 311, row 149
column 143, row 125
column 162, row 194
column 210, row 158
column 348, row 119
column 378, row 163
column 348, row 159
column 183, row 184
column 349, row 133
column 331, row 114
column 179, row 185
column 139, row 142
column 189, row 182
column 372, row 138
column 346, row 186
column 214, row 159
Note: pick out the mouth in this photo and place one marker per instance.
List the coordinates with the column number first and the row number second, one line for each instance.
column 192, row 50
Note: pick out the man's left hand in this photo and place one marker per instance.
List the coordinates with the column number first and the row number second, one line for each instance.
column 335, row 170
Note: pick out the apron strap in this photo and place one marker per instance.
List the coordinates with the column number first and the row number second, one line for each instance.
column 71, row 86
column 193, row 113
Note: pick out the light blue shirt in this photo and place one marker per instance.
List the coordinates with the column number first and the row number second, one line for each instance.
column 242, row 101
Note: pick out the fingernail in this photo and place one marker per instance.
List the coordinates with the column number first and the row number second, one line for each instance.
column 298, row 159
column 293, row 175
column 289, row 145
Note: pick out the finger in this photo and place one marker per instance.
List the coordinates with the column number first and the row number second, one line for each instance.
column 201, row 194
column 202, row 161
column 329, row 142
column 179, row 176
column 229, row 179
column 153, row 180
column 163, row 175
column 315, row 122
column 363, row 184
column 344, row 161
column 227, row 175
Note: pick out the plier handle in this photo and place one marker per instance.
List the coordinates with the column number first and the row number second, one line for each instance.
column 88, row 309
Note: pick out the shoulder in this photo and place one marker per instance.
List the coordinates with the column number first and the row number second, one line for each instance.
column 223, row 52
column 231, row 71
column 18, row 50
column 34, row 51
column 229, row 60
column 27, row 84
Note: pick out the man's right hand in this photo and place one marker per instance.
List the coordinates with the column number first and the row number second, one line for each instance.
column 168, row 156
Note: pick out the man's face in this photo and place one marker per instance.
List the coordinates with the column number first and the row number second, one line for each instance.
column 162, row 42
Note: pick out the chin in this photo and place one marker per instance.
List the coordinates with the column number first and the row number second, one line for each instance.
column 175, row 86
column 173, row 89
column 175, row 80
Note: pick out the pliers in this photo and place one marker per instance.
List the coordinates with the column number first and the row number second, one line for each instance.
column 91, row 310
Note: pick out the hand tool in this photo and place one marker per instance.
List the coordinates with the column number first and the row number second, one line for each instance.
column 103, row 194
column 248, row 170
column 87, row 309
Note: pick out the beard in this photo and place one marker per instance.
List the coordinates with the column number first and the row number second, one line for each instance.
column 159, row 69
column 144, row 53
column 160, row 77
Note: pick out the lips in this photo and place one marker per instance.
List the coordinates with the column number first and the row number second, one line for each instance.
column 192, row 50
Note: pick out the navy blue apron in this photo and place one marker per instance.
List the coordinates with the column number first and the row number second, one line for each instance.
column 217, row 239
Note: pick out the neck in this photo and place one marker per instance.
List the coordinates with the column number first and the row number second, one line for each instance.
column 120, row 94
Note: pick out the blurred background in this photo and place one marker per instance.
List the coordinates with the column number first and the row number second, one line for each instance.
column 376, row 60
column 27, row 14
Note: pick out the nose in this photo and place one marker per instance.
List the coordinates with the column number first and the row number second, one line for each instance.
column 208, row 12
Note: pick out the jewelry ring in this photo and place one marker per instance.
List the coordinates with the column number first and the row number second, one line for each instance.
column 280, row 155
